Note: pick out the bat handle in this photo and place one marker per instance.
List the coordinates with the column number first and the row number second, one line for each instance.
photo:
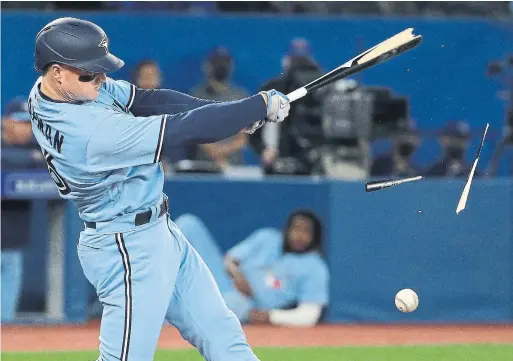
column 297, row 94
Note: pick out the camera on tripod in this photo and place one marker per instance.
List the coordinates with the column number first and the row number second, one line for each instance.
column 360, row 112
column 351, row 116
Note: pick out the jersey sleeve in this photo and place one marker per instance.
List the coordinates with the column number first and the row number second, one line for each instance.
column 164, row 101
column 314, row 287
column 122, row 140
column 122, row 91
column 146, row 102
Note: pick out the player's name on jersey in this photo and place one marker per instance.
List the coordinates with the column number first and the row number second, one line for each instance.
column 54, row 137
column 19, row 185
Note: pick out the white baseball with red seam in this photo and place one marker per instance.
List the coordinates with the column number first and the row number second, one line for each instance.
column 406, row 300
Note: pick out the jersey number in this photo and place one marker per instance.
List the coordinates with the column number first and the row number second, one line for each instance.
column 57, row 178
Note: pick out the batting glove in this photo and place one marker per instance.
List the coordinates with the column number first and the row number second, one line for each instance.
column 253, row 127
column 278, row 106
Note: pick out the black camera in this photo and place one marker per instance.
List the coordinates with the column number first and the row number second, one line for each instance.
column 362, row 112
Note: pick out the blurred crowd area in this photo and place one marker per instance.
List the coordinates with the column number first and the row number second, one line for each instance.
column 390, row 8
column 346, row 130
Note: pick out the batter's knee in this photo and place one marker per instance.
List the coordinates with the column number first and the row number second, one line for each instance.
column 229, row 345
column 232, row 345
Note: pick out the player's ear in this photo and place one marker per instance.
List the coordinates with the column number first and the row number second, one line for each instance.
column 57, row 73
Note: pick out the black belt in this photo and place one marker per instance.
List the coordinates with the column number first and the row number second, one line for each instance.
column 143, row 217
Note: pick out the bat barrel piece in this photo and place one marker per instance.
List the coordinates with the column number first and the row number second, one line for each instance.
column 381, row 184
column 466, row 190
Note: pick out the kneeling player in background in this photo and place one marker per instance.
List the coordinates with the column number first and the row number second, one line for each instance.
column 270, row 277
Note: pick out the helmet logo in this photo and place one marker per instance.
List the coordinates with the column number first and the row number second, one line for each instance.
column 104, row 44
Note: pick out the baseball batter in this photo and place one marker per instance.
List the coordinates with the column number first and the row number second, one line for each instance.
column 102, row 142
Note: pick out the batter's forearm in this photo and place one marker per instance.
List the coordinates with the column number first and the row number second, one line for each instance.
column 214, row 122
column 216, row 152
column 222, row 150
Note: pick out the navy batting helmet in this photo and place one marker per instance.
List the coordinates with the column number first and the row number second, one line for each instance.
column 77, row 43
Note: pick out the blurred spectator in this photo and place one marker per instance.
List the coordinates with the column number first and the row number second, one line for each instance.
column 454, row 139
column 147, row 75
column 29, row 5
column 327, row 7
column 218, row 69
column 391, row 8
column 502, row 166
column 397, row 162
column 501, row 163
column 493, row 9
column 272, row 277
column 245, row 6
column 175, row 6
column 302, row 133
column 19, row 150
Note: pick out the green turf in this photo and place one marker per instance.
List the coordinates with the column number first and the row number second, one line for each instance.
column 403, row 353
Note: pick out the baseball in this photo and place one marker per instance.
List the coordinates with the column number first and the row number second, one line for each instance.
column 406, row 300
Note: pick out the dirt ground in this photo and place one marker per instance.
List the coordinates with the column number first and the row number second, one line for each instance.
column 52, row 338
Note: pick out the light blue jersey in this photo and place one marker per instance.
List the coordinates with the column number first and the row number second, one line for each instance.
column 281, row 279
column 277, row 279
column 100, row 155
column 104, row 155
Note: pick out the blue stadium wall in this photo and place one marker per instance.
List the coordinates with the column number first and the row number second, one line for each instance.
column 375, row 243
